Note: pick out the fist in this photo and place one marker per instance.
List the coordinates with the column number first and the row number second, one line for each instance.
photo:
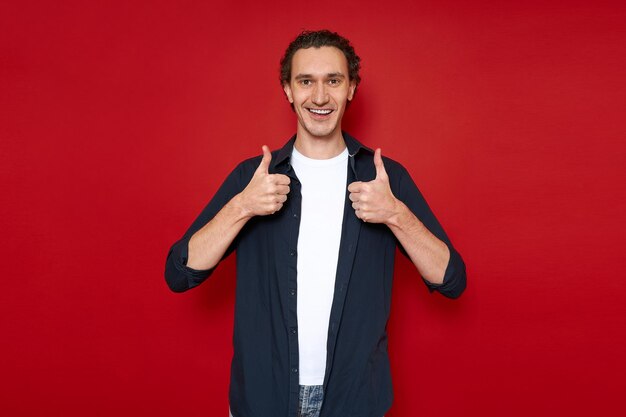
column 265, row 193
column 373, row 201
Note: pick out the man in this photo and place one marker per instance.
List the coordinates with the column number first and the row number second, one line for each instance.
column 315, row 226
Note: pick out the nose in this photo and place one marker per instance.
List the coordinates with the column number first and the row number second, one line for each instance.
column 320, row 96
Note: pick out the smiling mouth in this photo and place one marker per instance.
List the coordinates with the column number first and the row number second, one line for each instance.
column 320, row 112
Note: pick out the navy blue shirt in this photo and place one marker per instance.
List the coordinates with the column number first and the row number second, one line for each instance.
column 264, row 372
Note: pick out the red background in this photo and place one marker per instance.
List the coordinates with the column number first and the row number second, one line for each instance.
column 120, row 119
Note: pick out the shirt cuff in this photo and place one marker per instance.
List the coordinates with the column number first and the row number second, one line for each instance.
column 454, row 280
column 182, row 277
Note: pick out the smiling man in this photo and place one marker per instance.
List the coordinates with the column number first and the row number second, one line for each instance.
column 319, row 88
column 315, row 225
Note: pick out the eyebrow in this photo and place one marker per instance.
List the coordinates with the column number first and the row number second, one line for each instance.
column 329, row 75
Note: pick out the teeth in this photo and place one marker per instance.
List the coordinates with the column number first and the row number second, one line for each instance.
column 319, row 111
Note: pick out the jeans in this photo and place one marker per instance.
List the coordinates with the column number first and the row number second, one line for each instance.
column 311, row 397
column 310, row 402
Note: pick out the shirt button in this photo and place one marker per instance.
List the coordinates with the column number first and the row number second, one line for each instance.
column 292, row 292
column 293, row 330
column 292, row 253
column 295, row 215
column 294, row 370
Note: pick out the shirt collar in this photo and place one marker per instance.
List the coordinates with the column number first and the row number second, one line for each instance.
column 353, row 145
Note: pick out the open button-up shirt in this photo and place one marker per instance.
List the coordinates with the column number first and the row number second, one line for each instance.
column 264, row 372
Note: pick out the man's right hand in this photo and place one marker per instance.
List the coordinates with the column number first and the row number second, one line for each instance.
column 265, row 193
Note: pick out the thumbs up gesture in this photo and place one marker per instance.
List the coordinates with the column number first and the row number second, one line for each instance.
column 373, row 201
column 265, row 193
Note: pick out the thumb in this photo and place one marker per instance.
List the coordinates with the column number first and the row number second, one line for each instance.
column 378, row 163
column 265, row 162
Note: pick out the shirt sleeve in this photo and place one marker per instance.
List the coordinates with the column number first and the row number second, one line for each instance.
column 454, row 280
column 178, row 275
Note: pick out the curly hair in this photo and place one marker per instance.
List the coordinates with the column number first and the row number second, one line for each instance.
column 316, row 39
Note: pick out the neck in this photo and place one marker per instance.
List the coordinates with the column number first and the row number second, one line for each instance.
column 319, row 147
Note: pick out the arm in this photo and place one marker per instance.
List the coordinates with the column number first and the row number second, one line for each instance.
column 420, row 235
column 212, row 235
column 429, row 254
column 208, row 245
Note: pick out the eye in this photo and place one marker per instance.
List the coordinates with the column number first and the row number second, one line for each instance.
column 305, row 82
column 334, row 81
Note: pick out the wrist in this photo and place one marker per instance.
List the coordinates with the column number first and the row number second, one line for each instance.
column 403, row 218
column 238, row 204
column 398, row 212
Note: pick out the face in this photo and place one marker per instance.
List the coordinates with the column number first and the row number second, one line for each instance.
column 319, row 90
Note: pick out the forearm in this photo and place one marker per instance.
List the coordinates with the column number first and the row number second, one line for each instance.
column 208, row 245
column 428, row 253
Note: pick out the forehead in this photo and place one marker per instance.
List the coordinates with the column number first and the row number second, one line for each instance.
column 319, row 61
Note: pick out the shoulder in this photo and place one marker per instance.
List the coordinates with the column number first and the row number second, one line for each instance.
column 393, row 168
column 398, row 175
column 250, row 165
column 241, row 174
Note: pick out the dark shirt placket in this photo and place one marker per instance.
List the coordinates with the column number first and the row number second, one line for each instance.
column 293, row 218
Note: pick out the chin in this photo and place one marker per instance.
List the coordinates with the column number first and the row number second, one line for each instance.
column 320, row 132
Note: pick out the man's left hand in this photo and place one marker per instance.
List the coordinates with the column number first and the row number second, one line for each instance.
column 373, row 201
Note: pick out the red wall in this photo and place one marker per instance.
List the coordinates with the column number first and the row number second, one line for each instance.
column 118, row 121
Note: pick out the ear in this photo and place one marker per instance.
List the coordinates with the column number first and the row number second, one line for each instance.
column 351, row 90
column 287, row 90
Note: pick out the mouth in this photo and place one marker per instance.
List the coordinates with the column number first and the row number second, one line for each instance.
column 320, row 113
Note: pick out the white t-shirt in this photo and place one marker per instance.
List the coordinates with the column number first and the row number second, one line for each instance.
column 323, row 200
